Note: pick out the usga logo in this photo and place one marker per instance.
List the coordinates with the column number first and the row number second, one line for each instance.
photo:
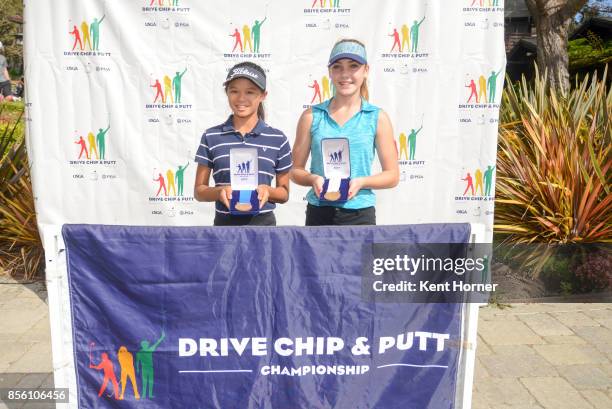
column 85, row 37
column 169, row 185
column 478, row 185
column 165, row 6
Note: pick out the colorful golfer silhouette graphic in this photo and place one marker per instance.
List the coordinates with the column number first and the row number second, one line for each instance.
column 256, row 33
column 94, row 28
column 83, row 145
column 488, row 179
column 317, row 92
column 414, row 35
column 412, row 141
column 179, row 175
column 101, row 140
column 492, row 85
column 323, row 3
column 126, row 362
column 482, row 89
column 470, row 185
column 403, row 142
column 473, row 91
column 246, row 34
column 485, row 179
column 328, row 88
column 105, row 365
column 167, row 90
column 478, row 177
column 405, row 37
column 77, row 38
column 485, row 91
column 95, row 146
column 91, row 138
column 238, row 41
column 85, row 31
column 88, row 38
column 144, row 364
column 172, row 183
column 491, row 3
column 159, row 93
column 176, row 85
column 396, row 41
column 162, row 185
column 170, row 179
column 172, row 87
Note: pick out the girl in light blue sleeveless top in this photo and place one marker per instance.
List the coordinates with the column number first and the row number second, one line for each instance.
column 348, row 114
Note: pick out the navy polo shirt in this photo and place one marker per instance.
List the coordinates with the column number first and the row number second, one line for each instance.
column 272, row 146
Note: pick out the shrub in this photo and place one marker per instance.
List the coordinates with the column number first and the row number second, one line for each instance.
column 553, row 166
column 21, row 251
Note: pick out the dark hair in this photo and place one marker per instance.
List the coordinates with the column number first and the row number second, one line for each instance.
column 261, row 112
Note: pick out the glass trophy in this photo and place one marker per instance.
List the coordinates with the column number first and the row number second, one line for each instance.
column 244, row 178
column 336, row 169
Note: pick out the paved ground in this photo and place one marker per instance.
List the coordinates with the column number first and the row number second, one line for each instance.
column 530, row 356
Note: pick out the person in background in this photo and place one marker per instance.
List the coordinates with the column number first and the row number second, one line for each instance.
column 5, row 79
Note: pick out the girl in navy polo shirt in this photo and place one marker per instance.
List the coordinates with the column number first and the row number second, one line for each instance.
column 368, row 130
column 245, row 87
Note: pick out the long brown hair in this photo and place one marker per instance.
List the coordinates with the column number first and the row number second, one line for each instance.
column 365, row 94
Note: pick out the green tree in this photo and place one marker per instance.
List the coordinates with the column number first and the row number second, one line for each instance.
column 9, row 31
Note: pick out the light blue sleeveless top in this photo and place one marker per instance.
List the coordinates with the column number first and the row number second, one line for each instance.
column 360, row 131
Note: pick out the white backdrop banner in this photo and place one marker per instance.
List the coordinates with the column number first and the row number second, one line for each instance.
column 120, row 92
